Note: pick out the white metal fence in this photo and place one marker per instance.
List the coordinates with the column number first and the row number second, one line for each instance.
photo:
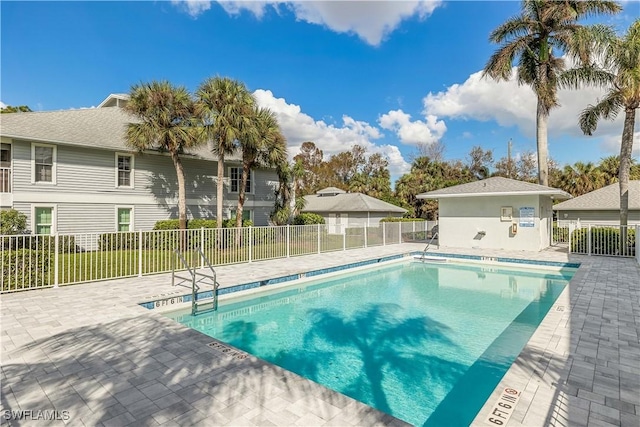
column 30, row 262
column 598, row 239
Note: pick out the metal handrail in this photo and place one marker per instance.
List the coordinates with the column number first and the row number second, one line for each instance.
column 424, row 251
column 194, row 283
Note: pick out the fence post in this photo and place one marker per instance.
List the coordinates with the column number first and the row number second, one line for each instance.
column 589, row 241
column 56, row 268
column 202, row 246
column 139, row 253
column 384, row 234
column 344, row 241
column 288, row 241
column 250, row 242
column 638, row 243
column 365, row 236
column 318, row 238
column 399, row 232
column 569, row 239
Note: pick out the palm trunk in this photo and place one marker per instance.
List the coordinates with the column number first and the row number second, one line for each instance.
column 219, row 188
column 626, row 147
column 182, row 200
column 241, row 193
column 541, row 136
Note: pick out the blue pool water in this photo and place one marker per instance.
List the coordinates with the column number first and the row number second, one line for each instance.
column 426, row 343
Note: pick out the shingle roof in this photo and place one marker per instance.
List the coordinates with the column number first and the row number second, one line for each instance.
column 348, row 202
column 605, row 198
column 91, row 127
column 496, row 186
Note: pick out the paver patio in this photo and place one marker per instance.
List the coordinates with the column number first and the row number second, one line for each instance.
column 91, row 350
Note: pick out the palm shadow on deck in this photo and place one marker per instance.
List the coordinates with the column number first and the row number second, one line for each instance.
column 147, row 370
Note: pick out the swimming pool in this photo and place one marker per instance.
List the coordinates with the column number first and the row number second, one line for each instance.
column 426, row 343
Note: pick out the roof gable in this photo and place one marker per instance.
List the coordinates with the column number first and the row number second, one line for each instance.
column 348, row 202
column 101, row 128
column 605, row 198
column 495, row 186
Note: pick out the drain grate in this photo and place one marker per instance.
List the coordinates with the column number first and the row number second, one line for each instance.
column 236, row 354
column 560, row 308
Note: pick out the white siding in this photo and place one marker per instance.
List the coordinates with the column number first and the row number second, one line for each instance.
column 597, row 217
column 461, row 220
column 86, row 193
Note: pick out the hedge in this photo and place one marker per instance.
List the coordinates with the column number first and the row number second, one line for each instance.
column 66, row 244
column 308, row 218
column 26, row 266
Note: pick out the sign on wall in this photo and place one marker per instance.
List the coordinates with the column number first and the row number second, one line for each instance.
column 527, row 217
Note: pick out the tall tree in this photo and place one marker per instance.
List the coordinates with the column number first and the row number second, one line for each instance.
column 311, row 159
column 225, row 107
column 264, row 146
column 581, row 178
column 620, row 74
column 479, row 162
column 164, row 120
column 536, row 39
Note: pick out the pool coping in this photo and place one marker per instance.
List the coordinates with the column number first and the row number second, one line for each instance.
column 177, row 300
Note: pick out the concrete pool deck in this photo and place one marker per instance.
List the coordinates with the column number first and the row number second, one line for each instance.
column 91, row 350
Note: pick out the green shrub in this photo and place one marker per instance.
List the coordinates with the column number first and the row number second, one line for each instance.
column 231, row 222
column 26, row 267
column 66, row 244
column 604, row 241
column 118, row 241
column 308, row 218
column 201, row 223
column 394, row 219
column 12, row 222
column 167, row 224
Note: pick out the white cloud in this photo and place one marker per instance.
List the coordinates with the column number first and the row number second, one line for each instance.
column 193, row 7
column 3, row 105
column 611, row 144
column 372, row 21
column 512, row 105
column 413, row 132
column 299, row 127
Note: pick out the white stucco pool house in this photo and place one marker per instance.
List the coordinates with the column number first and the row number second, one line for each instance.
column 496, row 213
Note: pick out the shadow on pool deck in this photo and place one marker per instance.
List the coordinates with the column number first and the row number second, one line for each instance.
column 109, row 374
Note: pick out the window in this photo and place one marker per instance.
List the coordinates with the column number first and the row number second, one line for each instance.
column 43, row 220
column 44, row 160
column 124, row 219
column 246, row 214
column 124, row 168
column 236, row 179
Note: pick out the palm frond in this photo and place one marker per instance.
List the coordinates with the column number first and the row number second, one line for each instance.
column 607, row 109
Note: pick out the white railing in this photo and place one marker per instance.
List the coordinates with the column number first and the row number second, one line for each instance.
column 609, row 240
column 30, row 262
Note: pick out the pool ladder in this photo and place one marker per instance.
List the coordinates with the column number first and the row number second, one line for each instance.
column 424, row 251
column 202, row 304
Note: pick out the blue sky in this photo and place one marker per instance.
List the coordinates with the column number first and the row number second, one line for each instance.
column 386, row 75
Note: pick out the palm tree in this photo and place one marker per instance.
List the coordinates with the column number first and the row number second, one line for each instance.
column 535, row 39
column 581, row 178
column 165, row 121
column 225, row 107
column 264, row 146
column 620, row 74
